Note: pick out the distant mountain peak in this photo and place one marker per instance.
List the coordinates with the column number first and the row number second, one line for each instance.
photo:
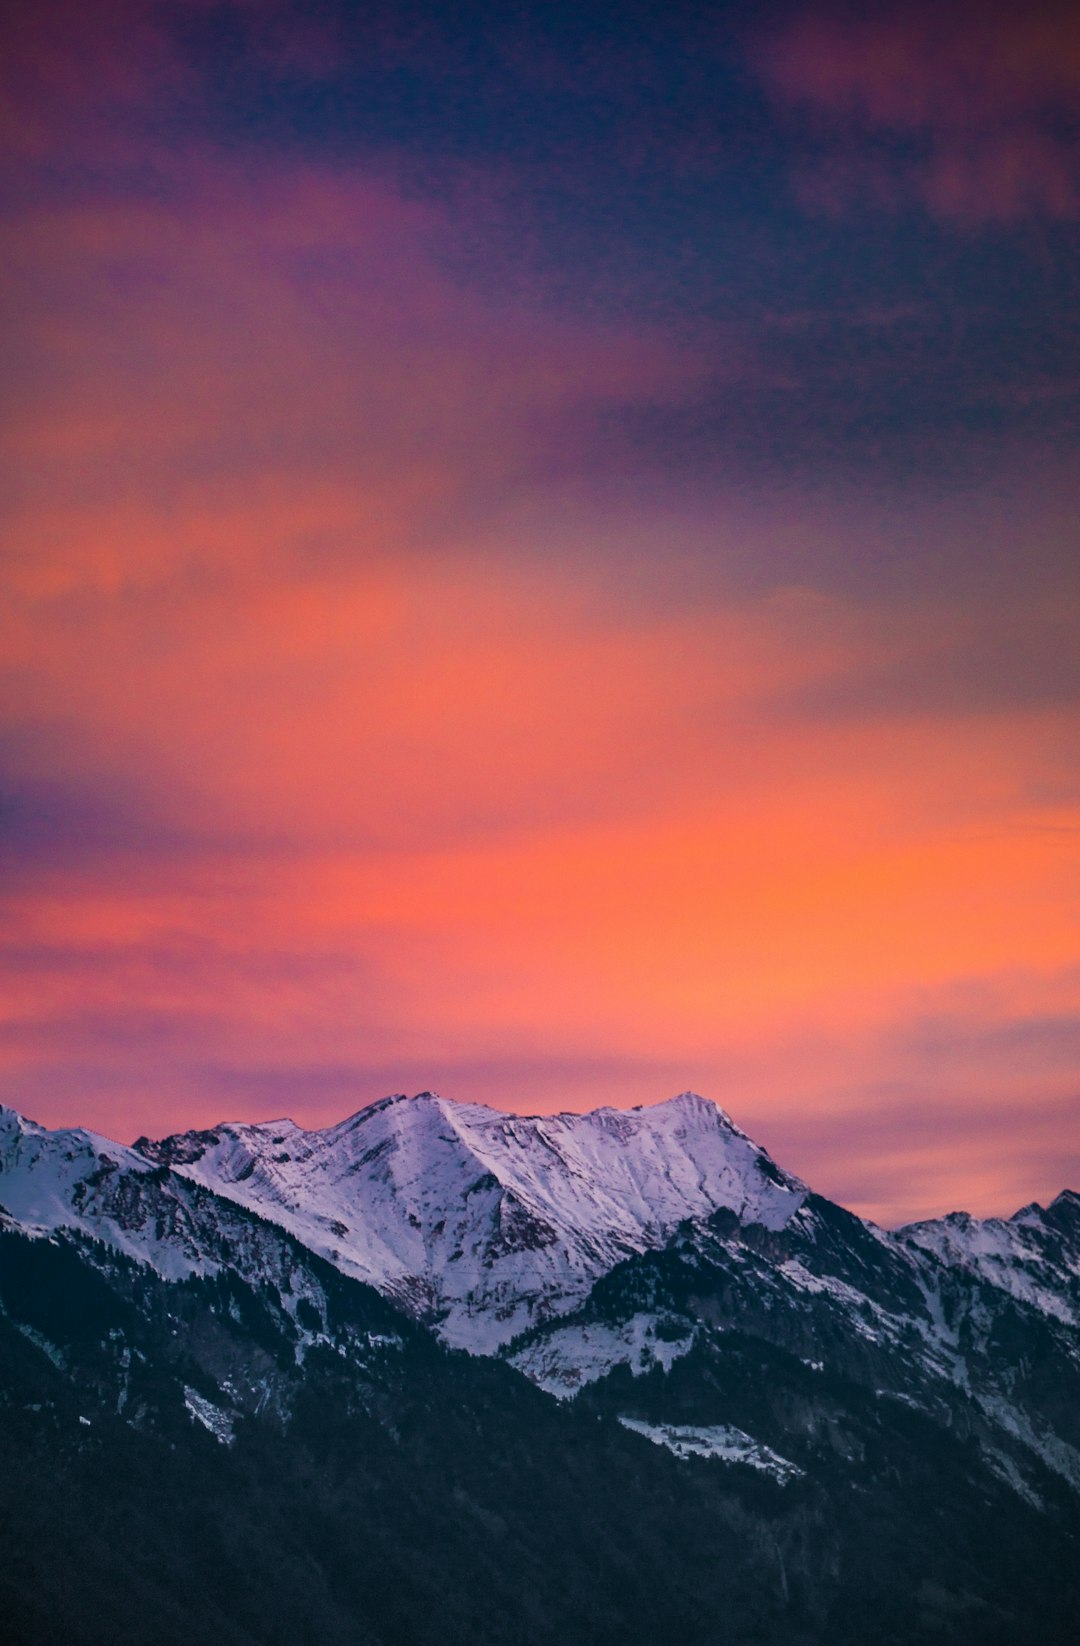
column 495, row 1219
column 690, row 1100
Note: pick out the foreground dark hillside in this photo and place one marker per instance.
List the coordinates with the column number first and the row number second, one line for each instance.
column 381, row 1491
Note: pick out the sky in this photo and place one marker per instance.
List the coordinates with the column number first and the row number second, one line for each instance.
column 540, row 559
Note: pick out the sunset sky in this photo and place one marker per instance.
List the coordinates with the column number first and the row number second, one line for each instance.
column 541, row 560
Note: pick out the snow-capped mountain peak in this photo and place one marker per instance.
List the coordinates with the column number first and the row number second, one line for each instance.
column 481, row 1220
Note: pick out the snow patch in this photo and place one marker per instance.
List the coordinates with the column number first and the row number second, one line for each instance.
column 563, row 1359
column 214, row 1418
column 718, row 1440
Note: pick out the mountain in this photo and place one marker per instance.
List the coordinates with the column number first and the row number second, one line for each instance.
column 1033, row 1255
column 331, row 1356
column 480, row 1222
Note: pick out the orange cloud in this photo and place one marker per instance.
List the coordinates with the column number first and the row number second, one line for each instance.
column 336, row 755
column 453, row 821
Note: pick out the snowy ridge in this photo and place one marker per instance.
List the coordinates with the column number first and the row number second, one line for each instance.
column 1034, row 1255
column 484, row 1222
column 75, row 1179
column 77, row 1183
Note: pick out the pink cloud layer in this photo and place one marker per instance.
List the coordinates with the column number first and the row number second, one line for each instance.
column 337, row 748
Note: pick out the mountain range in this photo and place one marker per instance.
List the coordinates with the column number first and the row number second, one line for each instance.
column 441, row 1372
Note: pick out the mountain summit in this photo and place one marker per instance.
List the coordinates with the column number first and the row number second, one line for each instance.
column 486, row 1222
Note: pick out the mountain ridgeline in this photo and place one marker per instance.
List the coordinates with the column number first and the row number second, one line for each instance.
column 443, row 1374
